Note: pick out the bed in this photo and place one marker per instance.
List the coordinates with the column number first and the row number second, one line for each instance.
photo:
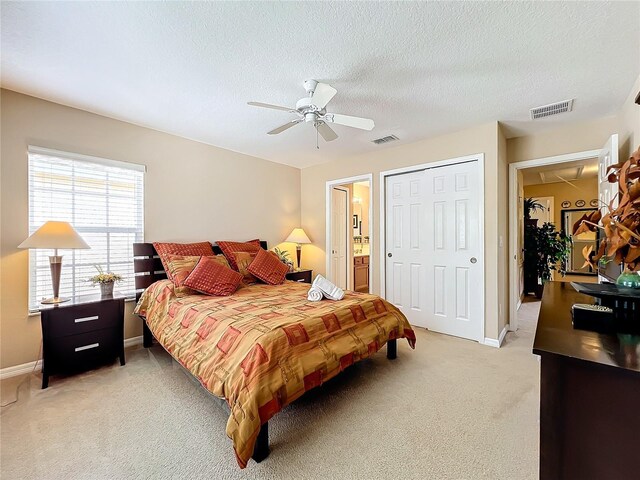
column 264, row 346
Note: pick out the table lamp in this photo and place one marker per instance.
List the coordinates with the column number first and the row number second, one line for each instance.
column 55, row 235
column 298, row 237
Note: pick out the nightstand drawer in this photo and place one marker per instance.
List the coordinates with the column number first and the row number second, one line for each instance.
column 82, row 318
column 302, row 276
column 77, row 351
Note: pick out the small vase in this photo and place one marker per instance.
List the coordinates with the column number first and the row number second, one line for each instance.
column 106, row 289
column 628, row 279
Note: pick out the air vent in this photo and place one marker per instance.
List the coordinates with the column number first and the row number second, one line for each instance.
column 552, row 109
column 387, row 139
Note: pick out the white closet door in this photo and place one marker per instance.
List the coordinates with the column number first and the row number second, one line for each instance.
column 455, row 271
column 434, row 266
column 405, row 242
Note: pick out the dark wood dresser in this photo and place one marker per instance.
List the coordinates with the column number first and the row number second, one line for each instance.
column 589, row 395
column 81, row 334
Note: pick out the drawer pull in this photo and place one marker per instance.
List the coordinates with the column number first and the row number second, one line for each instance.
column 86, row 319
column 87, row 347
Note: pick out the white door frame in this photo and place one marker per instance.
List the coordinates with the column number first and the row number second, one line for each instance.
column 514, row 294
column 366, row 177
column 479, row 157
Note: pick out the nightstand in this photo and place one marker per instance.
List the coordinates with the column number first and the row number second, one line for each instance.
column 302, row 276
column 84, row 333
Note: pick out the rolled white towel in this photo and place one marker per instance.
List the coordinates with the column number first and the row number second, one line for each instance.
column 314, row 295
column 329, row 290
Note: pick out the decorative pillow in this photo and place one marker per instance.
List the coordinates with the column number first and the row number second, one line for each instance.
column 268, row 268
column 191, row 249
column 180, row 266
column 229, row 248
column 243, row 260
column 212, row 278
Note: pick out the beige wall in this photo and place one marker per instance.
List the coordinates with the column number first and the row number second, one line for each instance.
column 193, row 192
column 479, row 139
column 503, row 231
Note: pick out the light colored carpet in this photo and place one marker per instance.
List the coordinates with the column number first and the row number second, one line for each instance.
column 451, row 409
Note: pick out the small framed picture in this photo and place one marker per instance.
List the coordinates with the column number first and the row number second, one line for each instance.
column 566, row 204
column 594, row 202
column 580, row 203
column 355, row 221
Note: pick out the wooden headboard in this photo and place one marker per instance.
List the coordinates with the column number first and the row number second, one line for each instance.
column 148, row 268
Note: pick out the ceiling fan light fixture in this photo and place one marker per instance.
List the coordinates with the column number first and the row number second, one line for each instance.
column 311, row 109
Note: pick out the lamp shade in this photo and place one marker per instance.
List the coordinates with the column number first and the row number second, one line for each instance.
column 54, row 235
column 298, row 236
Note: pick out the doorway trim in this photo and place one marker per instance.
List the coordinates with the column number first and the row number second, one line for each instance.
column 336, row 183
column 479, row 157
column 514, row 294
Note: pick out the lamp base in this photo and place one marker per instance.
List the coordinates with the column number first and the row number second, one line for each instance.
column 54, row 300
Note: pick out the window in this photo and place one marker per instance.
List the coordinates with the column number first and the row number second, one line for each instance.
column 103, row 200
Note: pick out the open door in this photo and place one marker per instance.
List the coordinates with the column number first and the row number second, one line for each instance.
column 607, row 191
column 520, row 252
column 608, row 195
column 339, row 258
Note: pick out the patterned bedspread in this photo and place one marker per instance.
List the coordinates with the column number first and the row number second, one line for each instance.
column 264, row 346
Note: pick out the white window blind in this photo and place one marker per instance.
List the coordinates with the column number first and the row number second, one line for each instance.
column 103, row 200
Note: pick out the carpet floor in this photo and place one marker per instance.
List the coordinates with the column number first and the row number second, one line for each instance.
column 451, row 409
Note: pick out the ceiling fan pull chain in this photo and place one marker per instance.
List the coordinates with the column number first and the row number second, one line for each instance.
column 317, row 146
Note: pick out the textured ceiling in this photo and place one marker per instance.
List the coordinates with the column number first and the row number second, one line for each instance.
column 561, row 172
column 418, row 69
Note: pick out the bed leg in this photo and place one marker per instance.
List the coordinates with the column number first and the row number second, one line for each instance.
column 261, row 449
column 147, row 336
column 392, row 349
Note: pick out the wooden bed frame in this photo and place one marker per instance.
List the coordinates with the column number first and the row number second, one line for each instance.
column 148, row 269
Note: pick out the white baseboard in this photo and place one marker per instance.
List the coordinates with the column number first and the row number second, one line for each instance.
column 20, row 369
column 133, row 341
column 16, row 370
column 492, row 342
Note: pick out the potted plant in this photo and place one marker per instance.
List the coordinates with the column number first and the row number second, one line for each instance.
column 531, row 205
column 620, row 224
column 283, row 255
column 105, row 280
column 545, row 250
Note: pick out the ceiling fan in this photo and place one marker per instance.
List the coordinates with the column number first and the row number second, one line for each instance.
column 312, row 109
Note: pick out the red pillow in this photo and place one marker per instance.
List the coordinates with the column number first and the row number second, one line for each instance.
column 212, row 278
column 190, row 249
column 268, row 268
column 180, row 266
column 230, row 248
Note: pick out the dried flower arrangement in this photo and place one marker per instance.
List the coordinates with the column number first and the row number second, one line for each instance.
column 621, row 225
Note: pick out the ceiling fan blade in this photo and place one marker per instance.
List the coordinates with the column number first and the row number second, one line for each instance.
column 274, row 107
column 326, row 131
column 349, row 121
column 284, row 127
column 322, row 95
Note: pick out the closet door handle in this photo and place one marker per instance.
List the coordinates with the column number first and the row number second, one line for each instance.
column 473, row 260
column 389, row 254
